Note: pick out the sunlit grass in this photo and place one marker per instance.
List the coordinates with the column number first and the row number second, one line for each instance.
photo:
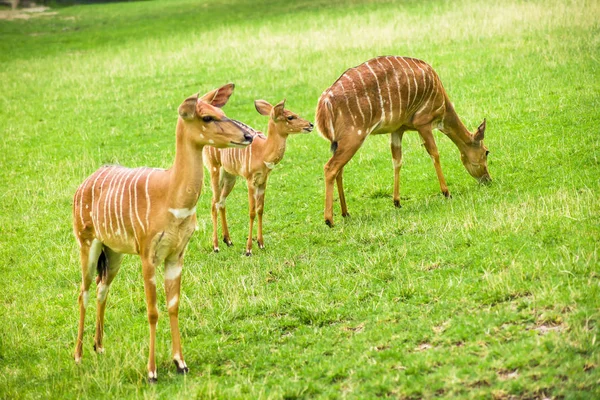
column 494, row 293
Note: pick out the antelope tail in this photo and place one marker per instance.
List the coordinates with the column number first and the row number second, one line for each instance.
column 102, row 266
column 324, row 119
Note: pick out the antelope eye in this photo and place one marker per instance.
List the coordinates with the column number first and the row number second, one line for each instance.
column 207, row 118
column 291, row 117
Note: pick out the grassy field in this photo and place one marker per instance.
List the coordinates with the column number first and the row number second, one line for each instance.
column 492, row 294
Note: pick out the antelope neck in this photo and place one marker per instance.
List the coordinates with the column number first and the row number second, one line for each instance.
column 186, row 174
column 455, row 129
column 275, row 145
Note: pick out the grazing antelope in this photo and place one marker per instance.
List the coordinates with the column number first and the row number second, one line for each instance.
column 254, row 163
column 392, row 95
column 150, row 212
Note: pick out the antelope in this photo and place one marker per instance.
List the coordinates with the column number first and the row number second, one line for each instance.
column 255, row 164
column 150, row 212
column 392, row 95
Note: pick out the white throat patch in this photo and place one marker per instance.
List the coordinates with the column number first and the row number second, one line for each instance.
column 269, row 165
column 181, row 213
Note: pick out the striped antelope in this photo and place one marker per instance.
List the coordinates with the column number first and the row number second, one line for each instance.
column 254, row 163
column 150, row 212
column 392, row 95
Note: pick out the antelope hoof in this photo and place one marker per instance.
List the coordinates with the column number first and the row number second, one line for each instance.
column 77, row 359
column 183, row 369
column 345, row 215
column 98, row 349
column 447, row 194
column 227, row 241
column 485, row 180
column 397, row 204
column 261, row 245
column 248, row 253
column 329, row 223
column 152, row 377
column 216, row 249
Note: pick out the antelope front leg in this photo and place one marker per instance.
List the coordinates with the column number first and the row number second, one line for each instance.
column 214, row 183
column 113, row 261
column 173, row 270
column 252, row 212
column 89, row 254
column 226, row 236
column 260, row 205
column 227, row 184
column 431, row 148
column 149, row 272
column 396, row 146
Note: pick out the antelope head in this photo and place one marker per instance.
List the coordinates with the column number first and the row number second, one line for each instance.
column 286, row 121
column 207, row 124
column 474, row 158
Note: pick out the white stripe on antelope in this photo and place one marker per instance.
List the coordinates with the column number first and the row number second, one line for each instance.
column 417, row 102
column 150, row 212
column 254, row 163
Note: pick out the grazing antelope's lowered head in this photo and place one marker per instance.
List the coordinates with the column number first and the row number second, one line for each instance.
column 474, row 158
column 207, row 124
column 286, row 121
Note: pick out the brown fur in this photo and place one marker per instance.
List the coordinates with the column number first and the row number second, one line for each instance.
column 150, row 212
column 391, row 95
column 255, row 164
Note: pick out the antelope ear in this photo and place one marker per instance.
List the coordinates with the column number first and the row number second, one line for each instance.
column 278, row 110
column 219, row 97
column 263, row 107
column 478, row 137
column 187, row 109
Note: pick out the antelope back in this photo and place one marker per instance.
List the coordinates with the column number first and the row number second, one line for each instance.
column 381, row 94
column 115, row 205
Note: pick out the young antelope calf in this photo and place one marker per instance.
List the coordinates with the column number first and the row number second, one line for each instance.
column 392, row 95
column 150, row 212
column 254, row 163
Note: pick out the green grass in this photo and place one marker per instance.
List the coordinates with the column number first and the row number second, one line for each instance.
column 493, row 294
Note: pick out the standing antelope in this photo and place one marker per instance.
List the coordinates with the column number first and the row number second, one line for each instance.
column 254, row 163
column 150, row 212
column 392, row 94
